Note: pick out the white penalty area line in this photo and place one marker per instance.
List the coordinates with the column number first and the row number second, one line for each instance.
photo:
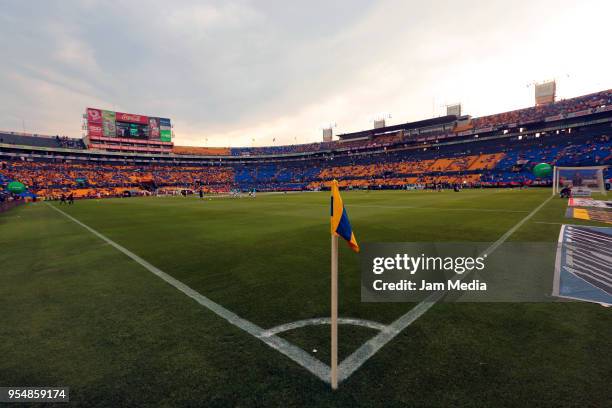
column 295, row 353
column 372, row 346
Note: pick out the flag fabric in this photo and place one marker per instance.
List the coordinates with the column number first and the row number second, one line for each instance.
column 340, row 224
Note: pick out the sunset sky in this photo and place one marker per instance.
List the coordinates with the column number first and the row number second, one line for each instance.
column 227, row 72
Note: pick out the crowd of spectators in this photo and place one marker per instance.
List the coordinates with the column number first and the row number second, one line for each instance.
column 201, row 151
column 516, row 117
column 51, row 179
column 476, row 163
column 539, row 113
column 68, row 142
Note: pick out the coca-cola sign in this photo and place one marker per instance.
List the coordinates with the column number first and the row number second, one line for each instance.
column 132, row 118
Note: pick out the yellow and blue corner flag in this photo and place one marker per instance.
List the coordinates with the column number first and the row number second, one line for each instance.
column 340, row 224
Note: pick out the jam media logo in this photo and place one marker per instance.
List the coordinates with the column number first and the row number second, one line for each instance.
column 409, row 272
column 436, row 272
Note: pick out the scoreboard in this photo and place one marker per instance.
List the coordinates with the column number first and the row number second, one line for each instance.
column 105, row 123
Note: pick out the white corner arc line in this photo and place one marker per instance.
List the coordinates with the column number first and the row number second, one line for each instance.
column 290, row 350
column 323, row 320
column 372, row 346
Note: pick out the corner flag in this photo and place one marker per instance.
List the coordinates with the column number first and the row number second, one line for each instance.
column 340, row 224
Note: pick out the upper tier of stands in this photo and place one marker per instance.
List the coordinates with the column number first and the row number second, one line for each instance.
column 539, row 113
column 27, row 139
column 583, row 104
column 512, row 118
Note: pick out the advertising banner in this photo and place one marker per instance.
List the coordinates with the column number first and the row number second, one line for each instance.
column 94, row 129
column 166, row 135
column 553, row 118
column 132, row 118
column 164, row 122
column 94, row 115
column 108, row 124
column 154, row 128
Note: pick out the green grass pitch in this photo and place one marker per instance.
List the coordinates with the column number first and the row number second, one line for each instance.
column 76, row 312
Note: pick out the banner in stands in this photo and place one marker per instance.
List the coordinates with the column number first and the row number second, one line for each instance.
column 108, row 124
column 94, row 115
column 154, row 128
column 130, row 117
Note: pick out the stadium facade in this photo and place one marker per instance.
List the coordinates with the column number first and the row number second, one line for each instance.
column 489, row 151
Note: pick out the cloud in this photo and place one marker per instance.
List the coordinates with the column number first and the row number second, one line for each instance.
column 230, row 71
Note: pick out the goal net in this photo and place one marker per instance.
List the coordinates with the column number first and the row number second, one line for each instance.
column 582, row 180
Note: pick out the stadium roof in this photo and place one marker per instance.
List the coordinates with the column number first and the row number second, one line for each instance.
column 404, row 126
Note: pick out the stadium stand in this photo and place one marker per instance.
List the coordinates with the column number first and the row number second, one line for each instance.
column 49, row 179
column 201, row 151
column 503, row 154
column 25, row 139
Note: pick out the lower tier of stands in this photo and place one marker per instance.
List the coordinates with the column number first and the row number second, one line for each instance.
column 478, row 163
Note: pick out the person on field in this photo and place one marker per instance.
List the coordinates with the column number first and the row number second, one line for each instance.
column 71, row 199
column 63, row 199
column 201, row 194
column 566, row 192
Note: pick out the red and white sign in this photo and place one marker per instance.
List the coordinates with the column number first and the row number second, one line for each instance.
column 130, row 117
column 94, row 130
column 94, row 115
column 589, row 202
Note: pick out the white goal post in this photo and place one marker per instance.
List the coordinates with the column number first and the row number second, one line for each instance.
column 582, row 180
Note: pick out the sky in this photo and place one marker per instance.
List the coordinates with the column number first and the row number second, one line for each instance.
column 271, row 72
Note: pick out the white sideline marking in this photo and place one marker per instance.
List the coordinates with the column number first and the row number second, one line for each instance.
column 322, row 320
column 372, row 346
column 295, row 353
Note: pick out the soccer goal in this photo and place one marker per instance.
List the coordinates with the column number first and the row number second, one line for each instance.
column 582, row 180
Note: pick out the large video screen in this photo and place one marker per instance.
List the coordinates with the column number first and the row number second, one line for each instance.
column 104, row 123
column 132, row 130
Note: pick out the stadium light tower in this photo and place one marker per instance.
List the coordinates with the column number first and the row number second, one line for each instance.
column 328, row 132
column 380, row 120
column 453, row 109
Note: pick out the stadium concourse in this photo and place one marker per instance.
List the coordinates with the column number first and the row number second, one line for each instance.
column 491, row 151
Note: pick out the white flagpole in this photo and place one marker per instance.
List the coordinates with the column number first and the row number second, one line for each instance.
column 334, row 311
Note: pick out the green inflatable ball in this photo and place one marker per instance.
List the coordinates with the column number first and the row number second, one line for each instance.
column 542, row 170
column 16, row 187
